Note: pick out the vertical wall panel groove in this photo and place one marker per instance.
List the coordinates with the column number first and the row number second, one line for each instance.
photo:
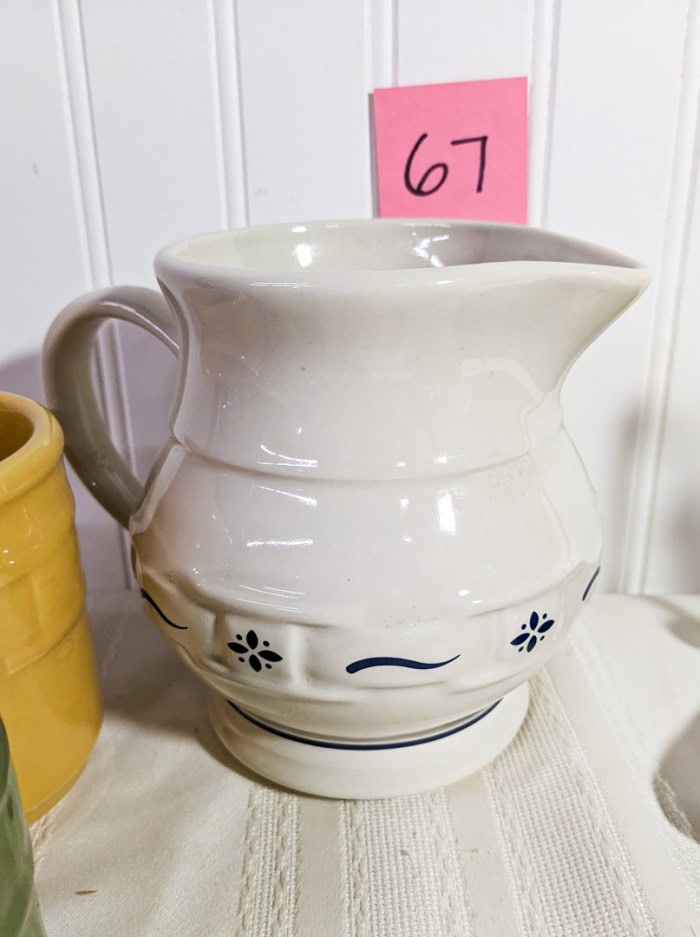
column 229, row 113
column 380, row 43
column 90, row 209
column 379, row 40
column 543, row 73
column 395, row 40
column 73, row 155
column 665, row 316
column 74, row 69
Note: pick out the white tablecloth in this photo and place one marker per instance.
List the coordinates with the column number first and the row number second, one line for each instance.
column 587, row 826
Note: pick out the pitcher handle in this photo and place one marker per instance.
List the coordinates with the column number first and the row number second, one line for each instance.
column 71, row 395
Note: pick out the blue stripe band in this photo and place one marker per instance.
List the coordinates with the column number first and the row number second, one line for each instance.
column 364, row 747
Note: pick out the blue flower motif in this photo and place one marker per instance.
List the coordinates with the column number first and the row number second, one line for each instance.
column 251, row 651
column 532, row 632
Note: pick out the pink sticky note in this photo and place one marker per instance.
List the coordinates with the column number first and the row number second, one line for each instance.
column 455, row 150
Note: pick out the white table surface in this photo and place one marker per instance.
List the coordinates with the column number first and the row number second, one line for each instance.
column 588, row 825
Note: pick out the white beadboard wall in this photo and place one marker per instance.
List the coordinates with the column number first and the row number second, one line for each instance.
column 126, row 125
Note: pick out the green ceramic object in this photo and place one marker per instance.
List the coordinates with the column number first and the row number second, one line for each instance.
column 19, row 909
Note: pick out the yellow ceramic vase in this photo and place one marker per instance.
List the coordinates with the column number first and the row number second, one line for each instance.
column 49, row 695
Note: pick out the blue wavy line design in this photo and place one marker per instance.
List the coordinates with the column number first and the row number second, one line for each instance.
column 367, row 662
column 590, row 584
column 152, row 602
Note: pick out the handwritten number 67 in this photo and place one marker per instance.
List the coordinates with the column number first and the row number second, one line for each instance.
column 422, row 187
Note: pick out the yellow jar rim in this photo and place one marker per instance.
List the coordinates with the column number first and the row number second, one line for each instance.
column 37, row 456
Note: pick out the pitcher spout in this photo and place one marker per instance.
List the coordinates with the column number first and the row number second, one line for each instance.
column 550, row 295
column 559, row 308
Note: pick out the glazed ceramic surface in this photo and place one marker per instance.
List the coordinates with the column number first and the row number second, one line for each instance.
column 19, row 909
column 49, row 696
column 369, row 526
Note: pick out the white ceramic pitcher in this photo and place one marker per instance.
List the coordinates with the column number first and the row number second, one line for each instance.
column 368, row 527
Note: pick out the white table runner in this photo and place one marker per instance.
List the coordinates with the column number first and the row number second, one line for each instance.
column 572, row 832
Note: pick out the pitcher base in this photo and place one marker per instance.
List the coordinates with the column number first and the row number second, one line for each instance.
column 374, row 768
